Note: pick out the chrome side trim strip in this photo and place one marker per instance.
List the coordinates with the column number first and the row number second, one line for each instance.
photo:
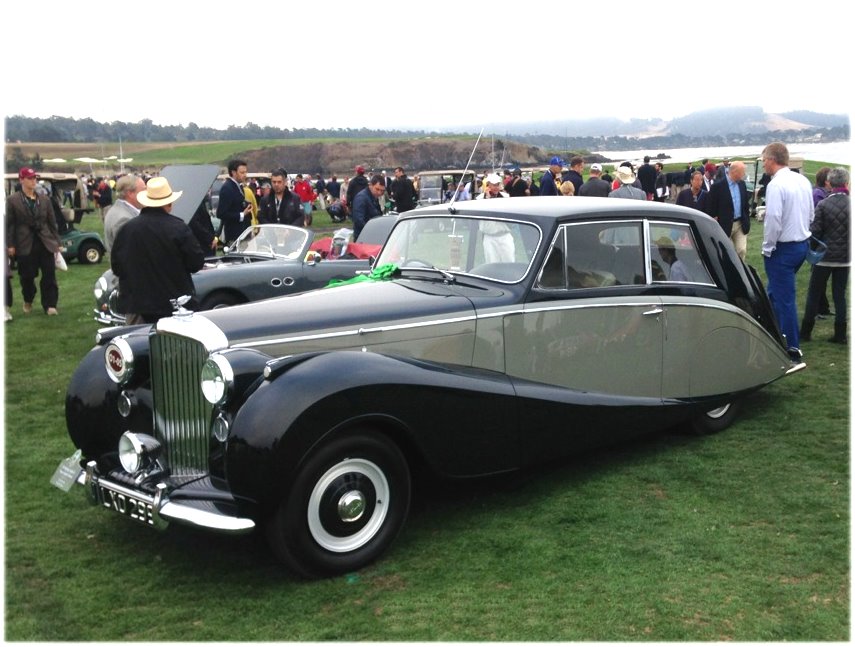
column 352, row 332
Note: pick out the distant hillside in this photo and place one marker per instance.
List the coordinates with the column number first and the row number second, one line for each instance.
column 743, row 120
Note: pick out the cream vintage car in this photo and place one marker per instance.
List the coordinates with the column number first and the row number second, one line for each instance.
column 491, row 335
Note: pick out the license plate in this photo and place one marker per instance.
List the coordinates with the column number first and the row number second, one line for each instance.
column 127, row 505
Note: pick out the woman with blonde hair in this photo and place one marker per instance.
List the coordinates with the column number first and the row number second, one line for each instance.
column 567, row 188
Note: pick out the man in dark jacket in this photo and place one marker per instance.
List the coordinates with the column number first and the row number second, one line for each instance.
column 32, row 238
column 366, row 205
column 233, row 209
column 574, row 175
column 403, row 192
column 595, row 187
column 647, row 177
column 357, row 183
column 281, row 205
column 154, row 256
column 727, row 202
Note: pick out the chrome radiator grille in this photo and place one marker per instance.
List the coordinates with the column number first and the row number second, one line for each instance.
column 181, row 414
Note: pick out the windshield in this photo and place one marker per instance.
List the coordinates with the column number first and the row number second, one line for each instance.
column 276, row 240
column 497, row 249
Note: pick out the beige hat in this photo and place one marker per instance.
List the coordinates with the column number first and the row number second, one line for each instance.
column 494, row 178
column 625, row 174
column 158, row 193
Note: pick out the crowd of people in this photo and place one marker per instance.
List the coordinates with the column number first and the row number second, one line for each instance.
column 153, row 253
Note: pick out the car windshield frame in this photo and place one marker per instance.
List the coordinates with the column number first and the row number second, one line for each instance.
column 497, row 249
column 273, row 240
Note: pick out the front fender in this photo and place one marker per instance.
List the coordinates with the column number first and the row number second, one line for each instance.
column 460, row 421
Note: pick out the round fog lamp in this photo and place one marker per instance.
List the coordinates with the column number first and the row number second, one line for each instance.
column 217, row 379
column 130, row 452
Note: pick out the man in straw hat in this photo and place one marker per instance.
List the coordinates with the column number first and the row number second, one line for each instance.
column 154, row 255
column 626, row 177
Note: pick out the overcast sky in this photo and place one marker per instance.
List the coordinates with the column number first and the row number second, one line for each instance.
column 421, row 65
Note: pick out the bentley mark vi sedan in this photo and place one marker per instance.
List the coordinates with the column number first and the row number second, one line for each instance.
column 491, row 335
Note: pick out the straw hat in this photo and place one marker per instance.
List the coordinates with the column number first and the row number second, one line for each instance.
column 158, row 193
column 625, row 174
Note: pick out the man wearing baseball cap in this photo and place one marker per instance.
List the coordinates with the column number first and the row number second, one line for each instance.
column 595, row 187
column 33, row 239
column 547, row 182
column 154, row 256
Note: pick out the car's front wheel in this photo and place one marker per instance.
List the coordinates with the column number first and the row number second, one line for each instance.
column 348, row 502
column 715, row 420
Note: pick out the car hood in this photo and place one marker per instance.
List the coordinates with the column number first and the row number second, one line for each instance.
column 341, row 317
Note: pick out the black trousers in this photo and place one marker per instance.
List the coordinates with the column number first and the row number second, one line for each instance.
column 39, row 261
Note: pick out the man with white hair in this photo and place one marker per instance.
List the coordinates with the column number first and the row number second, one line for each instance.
column 727, row 202
column 125, row 208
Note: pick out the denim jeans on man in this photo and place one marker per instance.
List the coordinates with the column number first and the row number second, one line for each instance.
column 781, row 267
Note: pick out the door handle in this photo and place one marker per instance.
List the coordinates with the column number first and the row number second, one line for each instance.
column 653, row 313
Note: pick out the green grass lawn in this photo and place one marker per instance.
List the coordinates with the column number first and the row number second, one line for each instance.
column 742, row 536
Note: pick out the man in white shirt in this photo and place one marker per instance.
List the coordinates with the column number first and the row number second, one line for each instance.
column 786, row 231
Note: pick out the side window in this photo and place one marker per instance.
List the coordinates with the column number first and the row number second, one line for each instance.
column 674, row 255
column 604, row 254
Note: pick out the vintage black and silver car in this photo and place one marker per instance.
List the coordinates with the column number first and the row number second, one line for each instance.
column 491, row 335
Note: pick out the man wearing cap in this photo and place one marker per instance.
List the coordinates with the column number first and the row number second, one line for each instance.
column 33, row 239
column 497, row 239
column 154, row 256
column 357, row 184
column 626, row 177
column 595, row 187
column 548, row 185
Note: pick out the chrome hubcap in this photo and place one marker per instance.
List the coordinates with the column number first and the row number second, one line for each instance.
column 351, row 506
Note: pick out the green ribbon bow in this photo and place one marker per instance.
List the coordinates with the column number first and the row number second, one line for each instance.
column 380, row 273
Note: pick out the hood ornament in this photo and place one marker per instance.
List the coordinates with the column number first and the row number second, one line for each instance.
column 178, row 306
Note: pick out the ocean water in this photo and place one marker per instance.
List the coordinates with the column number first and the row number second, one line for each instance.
column 833, row 153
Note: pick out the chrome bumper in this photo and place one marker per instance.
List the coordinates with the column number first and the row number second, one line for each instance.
column 157, row 511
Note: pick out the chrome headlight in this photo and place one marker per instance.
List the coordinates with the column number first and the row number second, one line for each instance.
column 217, row 380
column 137, row 451
column 100, row 288
column 120, row 360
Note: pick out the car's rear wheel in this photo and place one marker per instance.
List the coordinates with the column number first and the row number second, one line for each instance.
column 715, row 420
column 347, row 504
column 90, row 253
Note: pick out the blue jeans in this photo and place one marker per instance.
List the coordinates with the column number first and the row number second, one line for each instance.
column 781, row 268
